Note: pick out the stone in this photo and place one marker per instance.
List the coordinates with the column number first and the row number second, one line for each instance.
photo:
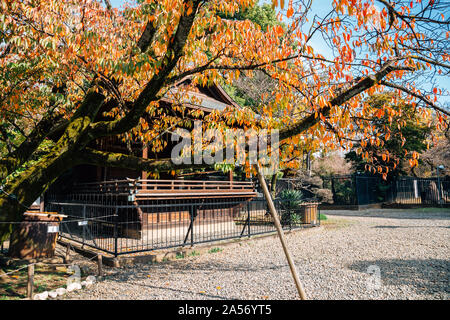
column 52, row 294
column 73, row 286
column 91, row 279
column 41, row 296
column 61, row 291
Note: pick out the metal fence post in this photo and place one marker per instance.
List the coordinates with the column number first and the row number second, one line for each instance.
column 192, row 225
column 83, row 226
column 115, row 231
column 248, row 219
column 318, row 218
column 439, row 186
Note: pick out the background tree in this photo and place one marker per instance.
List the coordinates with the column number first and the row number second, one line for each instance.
column 397, row 141
column 331, row 164
column 438, row 154
column 256, row 90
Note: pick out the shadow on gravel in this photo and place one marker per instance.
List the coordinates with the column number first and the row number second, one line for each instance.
column 181, row 292
column 426, row 213
column 409, row 227
column 429, row 276
column 187, row 266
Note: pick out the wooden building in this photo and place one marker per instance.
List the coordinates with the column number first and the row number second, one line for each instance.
column 109, row 186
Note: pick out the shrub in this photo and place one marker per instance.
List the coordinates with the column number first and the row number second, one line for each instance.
column 322, row 217
column 291, row 197
column 290, row 202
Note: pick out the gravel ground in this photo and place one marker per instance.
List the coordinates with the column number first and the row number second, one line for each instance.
column 409, row 248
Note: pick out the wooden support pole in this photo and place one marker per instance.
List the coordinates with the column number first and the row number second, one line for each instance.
column 277, row 223
column 67, row 258
column 30, row 283
column 100, row 265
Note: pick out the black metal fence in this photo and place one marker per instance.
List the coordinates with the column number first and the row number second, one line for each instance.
column 423, row 191
column 365, row 190
column 128, row 228
column 343, row 189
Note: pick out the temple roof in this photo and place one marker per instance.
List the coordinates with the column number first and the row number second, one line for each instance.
column 208, row 98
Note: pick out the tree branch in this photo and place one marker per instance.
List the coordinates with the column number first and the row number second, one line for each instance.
column 147, row 36
column 119, row 160
column 361, row 86
column 174, row 52
column 418, row 96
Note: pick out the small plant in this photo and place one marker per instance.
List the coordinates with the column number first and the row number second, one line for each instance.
column 322, row 217
column 41, row 288
column 179, row 255
column 194, row 253
column 214, row 250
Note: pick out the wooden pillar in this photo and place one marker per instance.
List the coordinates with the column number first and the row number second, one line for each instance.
column 100, row 265
column 99, row 174
column 30, row 283
column 41, row 203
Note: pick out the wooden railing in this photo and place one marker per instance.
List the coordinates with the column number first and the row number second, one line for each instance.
column 148, row 189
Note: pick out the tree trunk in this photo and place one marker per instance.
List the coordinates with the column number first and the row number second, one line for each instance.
column 21, row 191
column 273, row 185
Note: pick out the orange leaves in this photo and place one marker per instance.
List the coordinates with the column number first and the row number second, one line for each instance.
column 290, row 12
column 189, row 8
column 413, row 163
column 279, row 31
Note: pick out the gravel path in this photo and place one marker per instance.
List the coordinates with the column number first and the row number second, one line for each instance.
column 409, row 248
